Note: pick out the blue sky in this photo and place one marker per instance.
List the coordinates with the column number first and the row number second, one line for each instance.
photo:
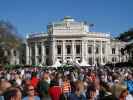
column 114, row 16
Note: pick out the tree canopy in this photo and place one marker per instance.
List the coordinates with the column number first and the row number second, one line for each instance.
column 126, row 36
column 8, row 39
column 8, row 35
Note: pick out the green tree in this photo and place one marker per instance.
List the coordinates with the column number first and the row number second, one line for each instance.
column 127, row 37
column 8, row 40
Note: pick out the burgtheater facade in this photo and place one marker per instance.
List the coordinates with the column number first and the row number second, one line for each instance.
column 68, row 40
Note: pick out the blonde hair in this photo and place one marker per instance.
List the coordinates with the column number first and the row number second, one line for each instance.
column 79, row 85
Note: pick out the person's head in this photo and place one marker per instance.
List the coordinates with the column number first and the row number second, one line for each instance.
column 65, row 78
column 129, row 77
column 17, row 76
column 52, row 76
column 27, row 82
column 54, row 83
column 30, row 90
column 91, row 92
column 79, row 86
column 124, row 93
column 34, row 74
column 45, row 76
column 13, row 94
column 4, row 85
column 97, row 84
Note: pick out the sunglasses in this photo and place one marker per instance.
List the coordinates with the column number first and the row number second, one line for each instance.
column 31, row 89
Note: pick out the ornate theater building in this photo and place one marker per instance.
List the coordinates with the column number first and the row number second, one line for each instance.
column 69, row 40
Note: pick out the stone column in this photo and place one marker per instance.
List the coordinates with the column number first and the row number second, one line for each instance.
column 30, row 54
column 63, row 51
column 73, row 50
column 27, row 54
column 94, row 51
column 17, row 57
column 86, row 50
column 101, row 53
column 119, row 54
column 83, row 50
column 108, row 51
column 43, row 53
column 36, row 53
column 12, row 56
column 53, row 51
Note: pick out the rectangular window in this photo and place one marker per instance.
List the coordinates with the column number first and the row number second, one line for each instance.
column 77, row 49
column 39, row 50
column 90, row 61
column 103, row 50
column 89, row 50
column 47, row 50
column 68, row 49
column 59, row 49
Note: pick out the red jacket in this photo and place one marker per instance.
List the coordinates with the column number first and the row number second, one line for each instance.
column 34, row 81
column 55, row 92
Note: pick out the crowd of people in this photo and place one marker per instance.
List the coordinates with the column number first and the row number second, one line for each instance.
column 72, row 83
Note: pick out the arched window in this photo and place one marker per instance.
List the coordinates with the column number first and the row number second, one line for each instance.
column 113, row 50
column 122, row 51
column 14, row 52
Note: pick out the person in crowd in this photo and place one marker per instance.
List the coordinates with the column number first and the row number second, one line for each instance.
column 105, row 92
column 117, row 88
column 55, row 90
column 34, row 80
column 107, row 81
column 13, row 94
column 66, row 87
column 4, row 85
column 18, row 80
column 129, row 83
column 91, row 93
column 31, row 93
column 59, row 79
column 43, row 86
column 123, row 95
column 129, row 96
column 77, row 95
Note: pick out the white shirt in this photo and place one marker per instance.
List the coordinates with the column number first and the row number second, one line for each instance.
column 129, row 97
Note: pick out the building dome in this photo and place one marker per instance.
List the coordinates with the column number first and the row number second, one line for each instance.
column 68, row 18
